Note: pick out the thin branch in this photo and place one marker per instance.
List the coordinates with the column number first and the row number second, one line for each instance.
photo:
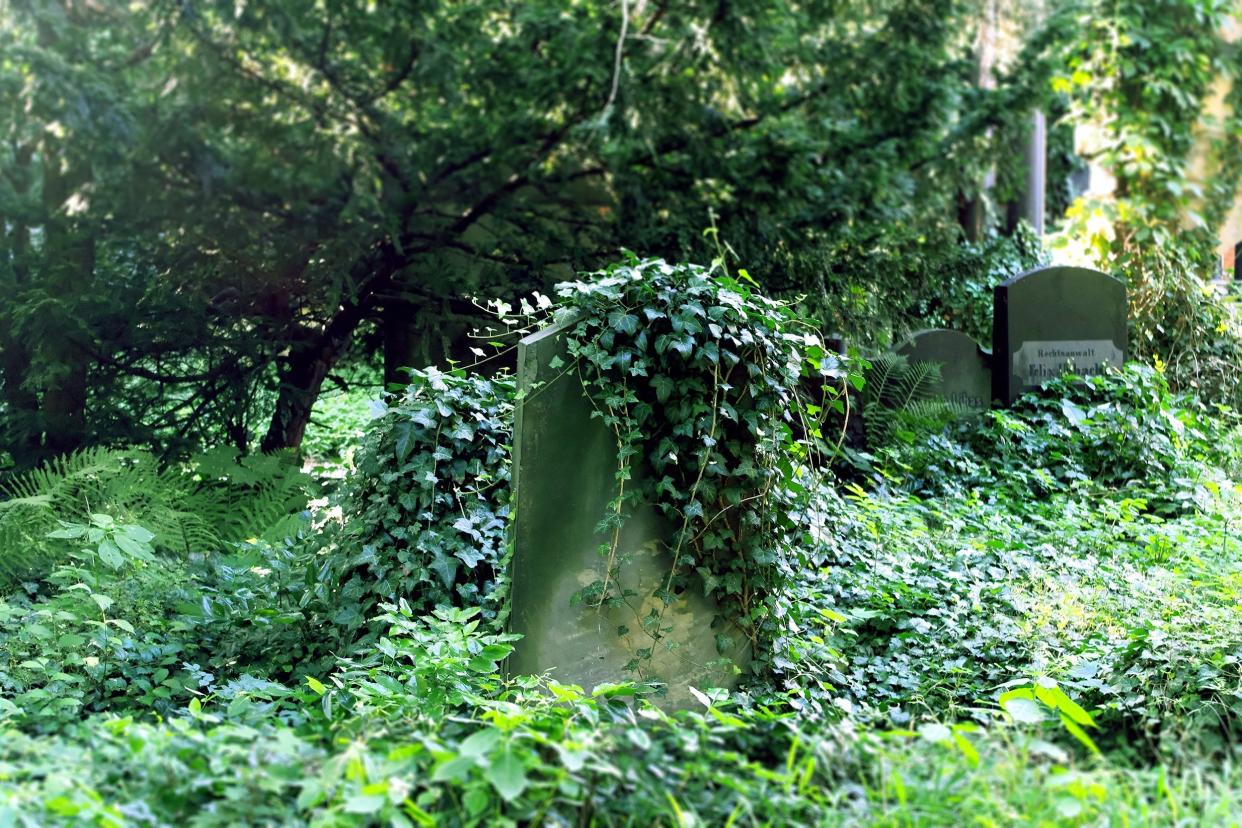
column 618, row 59
column 400, row 76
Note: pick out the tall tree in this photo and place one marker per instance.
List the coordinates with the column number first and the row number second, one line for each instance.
column 297, row 168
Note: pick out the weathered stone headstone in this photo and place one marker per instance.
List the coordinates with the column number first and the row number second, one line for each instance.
column 1054, row 320
column 965, row 367
column 564, row 478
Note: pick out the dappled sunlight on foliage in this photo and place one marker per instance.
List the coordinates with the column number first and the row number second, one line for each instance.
column 264, row 268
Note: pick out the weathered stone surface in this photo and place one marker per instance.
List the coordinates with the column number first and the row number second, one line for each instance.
column 564, row 478
column 965, row 367
column 1052, row 320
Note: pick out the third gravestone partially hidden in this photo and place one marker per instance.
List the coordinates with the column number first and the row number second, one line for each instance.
column 965, row 368
column 564, row 479
column 1055, row 320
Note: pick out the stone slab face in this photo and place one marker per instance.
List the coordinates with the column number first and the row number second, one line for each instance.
column 1054, row 320
column 564, row 478
column 965, row 367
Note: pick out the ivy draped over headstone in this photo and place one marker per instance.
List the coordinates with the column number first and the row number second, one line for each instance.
column 699, row 377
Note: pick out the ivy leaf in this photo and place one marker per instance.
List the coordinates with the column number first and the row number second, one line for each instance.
column 1075, row 415
column 663, row 386
column 446, row 568
column 626, row 323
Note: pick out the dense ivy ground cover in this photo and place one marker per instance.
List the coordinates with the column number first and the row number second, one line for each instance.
column 1031, row 617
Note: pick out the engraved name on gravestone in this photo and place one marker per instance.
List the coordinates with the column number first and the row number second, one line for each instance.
column 1055, row 320
column 965, row 367
column 564, row 480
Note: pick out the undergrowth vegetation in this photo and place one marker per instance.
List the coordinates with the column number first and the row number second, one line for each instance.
column 1029, row 616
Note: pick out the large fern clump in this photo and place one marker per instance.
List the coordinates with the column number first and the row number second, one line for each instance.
column 901, row 396
column 197, row 506
column 423, row 517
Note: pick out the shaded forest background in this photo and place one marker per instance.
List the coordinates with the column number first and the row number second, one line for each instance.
column 213, row 210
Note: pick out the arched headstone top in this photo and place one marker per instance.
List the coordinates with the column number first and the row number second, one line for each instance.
column 1033, row 278
column 940, row 337
column 1052, row 320
column 965, row 366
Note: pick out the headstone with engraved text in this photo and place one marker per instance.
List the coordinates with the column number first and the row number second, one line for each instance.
column 965, row 367
column 1055, row 320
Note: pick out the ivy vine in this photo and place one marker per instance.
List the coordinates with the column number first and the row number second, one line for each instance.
column 714, row 394
column 424, row 516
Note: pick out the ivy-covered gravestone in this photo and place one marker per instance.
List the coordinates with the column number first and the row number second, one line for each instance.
column 1056, row 320
column 564, row 482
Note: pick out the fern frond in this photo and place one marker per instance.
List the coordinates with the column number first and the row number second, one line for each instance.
column 198, row 507
column 900, row 392
column 917, row 382
column 884, row 368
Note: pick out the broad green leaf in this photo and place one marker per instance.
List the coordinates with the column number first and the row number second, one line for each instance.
column 1023, row 710
column 132, row 547
column 1079, row 734
column 364, row 804
column 935, row 732
column 1055, row 697
column 966, row 747
column 110, row 554
column 479, row 743
column 507, row 774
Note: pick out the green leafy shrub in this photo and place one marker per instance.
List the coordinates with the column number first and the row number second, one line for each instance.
column 97, row 642
column 922, row 607
column 341, row 415
column 1158, row 230
column 423, row 516
column 954, row 288
column 1083, row 535
column 874, row 295
column 1179, row 319
column 1029, row 617
column 117, row 628
column 468, row 749
column 1121, row 431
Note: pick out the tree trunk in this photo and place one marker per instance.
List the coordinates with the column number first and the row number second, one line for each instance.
column 22, row 404
column 314, row 353
column 24, row 426
column 69, row 265
column 402, row 342
column 415, row 338
column 301, row 378
column 64, row 405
